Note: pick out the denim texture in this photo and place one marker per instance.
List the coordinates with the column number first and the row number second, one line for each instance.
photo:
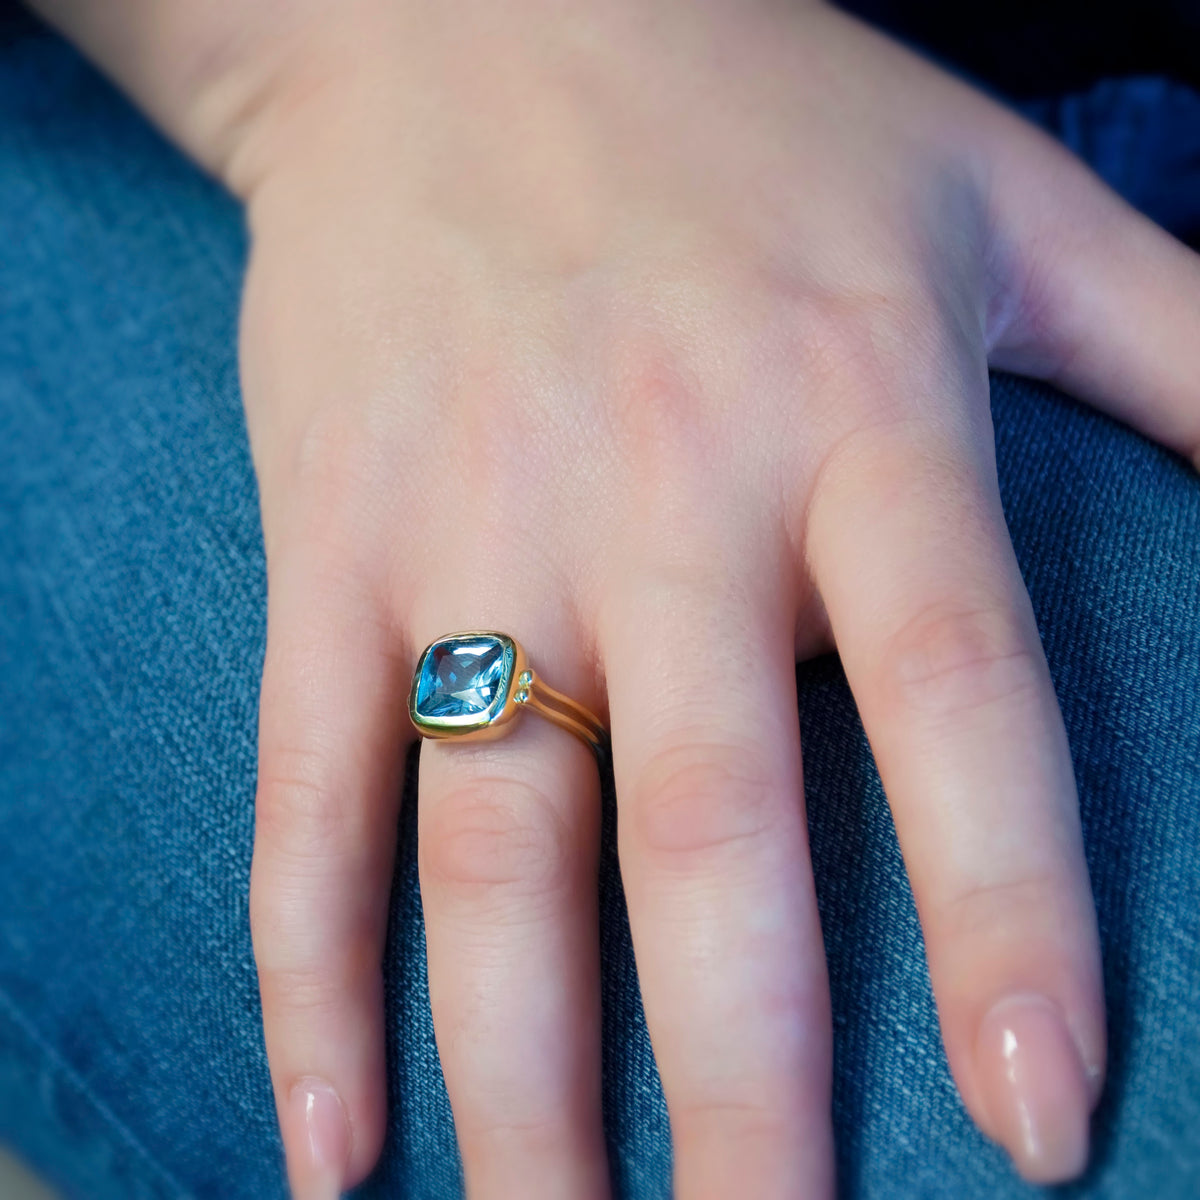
column 132, row 601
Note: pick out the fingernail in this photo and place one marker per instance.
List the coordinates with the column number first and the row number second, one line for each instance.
column 1034, row 1087
column 318, row 1140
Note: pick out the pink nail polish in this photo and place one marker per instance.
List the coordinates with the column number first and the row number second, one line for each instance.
column 1034, row 1087
column 318, row 1141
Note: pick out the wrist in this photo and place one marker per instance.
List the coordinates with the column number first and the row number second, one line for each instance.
column 200, row 69
column 354, row 80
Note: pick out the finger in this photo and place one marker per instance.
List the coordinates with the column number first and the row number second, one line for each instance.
column 1088, row 293
column 508, row 834
column 907, row 543
column 332, row 727
column 714, row 858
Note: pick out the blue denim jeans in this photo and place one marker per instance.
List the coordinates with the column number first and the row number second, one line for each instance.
column 131, row 637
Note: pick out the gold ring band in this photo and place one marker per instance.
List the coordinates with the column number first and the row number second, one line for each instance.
column 472, row 684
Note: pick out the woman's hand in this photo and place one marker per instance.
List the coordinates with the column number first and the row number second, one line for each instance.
column 657, row 335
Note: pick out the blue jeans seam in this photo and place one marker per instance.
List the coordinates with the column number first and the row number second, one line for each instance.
column 106, row 1115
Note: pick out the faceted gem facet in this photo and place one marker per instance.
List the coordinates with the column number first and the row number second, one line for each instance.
column 464, row 676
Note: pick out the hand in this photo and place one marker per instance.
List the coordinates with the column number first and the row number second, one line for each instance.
column 658, row 335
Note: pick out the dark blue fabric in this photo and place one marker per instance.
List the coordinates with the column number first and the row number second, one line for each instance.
column 131, row 637
column 1142, row 135
column 1029, row 48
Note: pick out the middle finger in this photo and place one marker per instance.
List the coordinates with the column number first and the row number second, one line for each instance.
column 714, row 858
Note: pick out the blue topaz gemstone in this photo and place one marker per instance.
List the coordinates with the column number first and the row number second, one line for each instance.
column 463, row 681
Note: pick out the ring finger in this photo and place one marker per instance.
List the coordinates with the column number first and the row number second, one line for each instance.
column 508, row 833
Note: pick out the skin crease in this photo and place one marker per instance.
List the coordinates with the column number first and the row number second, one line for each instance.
column 631, row 329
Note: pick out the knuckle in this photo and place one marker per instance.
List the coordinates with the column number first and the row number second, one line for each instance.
column 532, row 1137
column 842, row 352
column 314, row 932
column 497, row 836
column 867, row 357
column 313, row 947
column 886, row 456
column 752, row 1125
column 1000, row 909
column 697, row 797
column 330, row 451
column 310, row 989
column 659, row 413
column 338, row 471
column 298, row 807
column 873, row 452
column 856, row 344
column 951, row 660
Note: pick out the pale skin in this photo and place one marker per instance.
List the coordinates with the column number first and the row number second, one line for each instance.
column 630, row 328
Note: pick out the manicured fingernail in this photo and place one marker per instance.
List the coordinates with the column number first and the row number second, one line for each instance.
column 318, row 1140
column 1035, row 1087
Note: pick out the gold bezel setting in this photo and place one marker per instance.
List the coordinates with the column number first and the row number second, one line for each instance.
column 519, row 687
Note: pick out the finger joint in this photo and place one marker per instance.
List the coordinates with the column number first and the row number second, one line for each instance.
column 698, row 798
column 950, row 661
column 492, row 836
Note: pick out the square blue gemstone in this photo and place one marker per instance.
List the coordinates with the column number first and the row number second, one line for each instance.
column 464, row 677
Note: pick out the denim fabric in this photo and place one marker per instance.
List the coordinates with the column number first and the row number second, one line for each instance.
column 131, row 636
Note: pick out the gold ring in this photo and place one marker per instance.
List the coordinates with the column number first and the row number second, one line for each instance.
column 472, row 685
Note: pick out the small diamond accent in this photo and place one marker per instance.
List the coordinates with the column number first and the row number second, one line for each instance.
column 521, row 696
column 525, row 679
